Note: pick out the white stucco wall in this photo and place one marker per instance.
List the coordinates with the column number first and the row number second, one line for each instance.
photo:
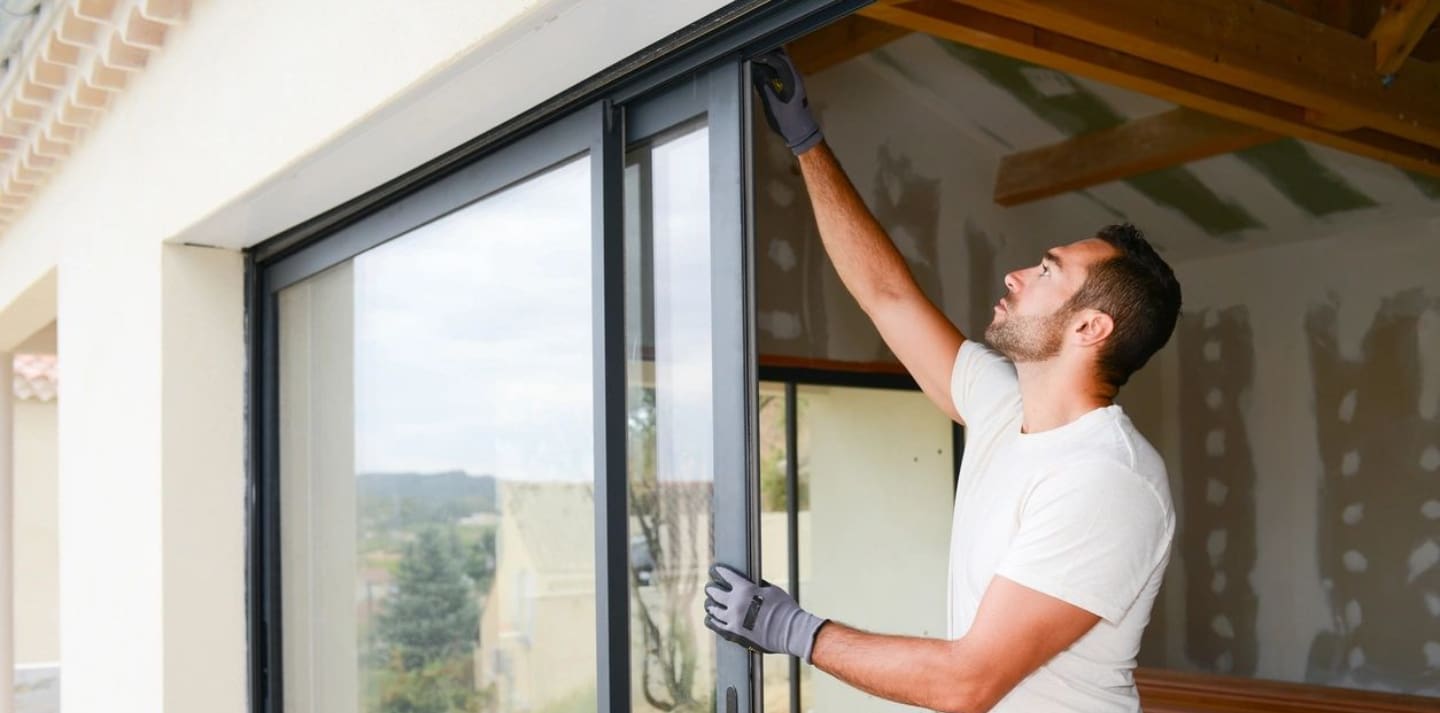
column 37, row 576
column 253, row 117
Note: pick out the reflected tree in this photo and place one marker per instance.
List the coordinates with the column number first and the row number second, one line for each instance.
column 428, row 631
column 669, row 550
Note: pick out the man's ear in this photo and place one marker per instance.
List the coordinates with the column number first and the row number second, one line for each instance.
column 1093, row 327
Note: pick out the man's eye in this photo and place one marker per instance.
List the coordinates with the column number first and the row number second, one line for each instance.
column 1044, row 269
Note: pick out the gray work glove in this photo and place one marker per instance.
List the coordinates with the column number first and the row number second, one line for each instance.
column 760, row 617
column 782, row 95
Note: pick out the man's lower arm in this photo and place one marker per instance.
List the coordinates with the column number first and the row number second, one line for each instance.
column 864, row 256
column 912, row 670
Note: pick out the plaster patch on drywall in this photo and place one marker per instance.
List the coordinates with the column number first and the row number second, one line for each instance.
column 1427, row 333
column 986, row 287
column 791, row 316
column 1377, row 546
column 1218, row 540
column 1429, row 185
column 908, row 205
column 1308, row 184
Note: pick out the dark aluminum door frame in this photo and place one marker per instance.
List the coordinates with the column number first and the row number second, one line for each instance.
column 583, row 132
column 721, row 94
column 648, row 88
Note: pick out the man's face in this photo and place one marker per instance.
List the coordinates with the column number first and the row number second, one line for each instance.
column 1030, row 321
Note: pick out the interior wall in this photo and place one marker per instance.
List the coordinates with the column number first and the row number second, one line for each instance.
column 1300, row 425
column 1295, row 405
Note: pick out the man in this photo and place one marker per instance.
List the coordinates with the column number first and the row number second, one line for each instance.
column 1063, row 519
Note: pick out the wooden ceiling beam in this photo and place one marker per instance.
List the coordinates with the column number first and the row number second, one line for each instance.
column 1140, row 146
column 1253, row 45
column 1003, row 35
column 839, row 41
column 1401, row 25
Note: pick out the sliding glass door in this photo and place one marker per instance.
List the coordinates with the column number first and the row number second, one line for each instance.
column 504, row 426
column 436, row 408
column 688, row 366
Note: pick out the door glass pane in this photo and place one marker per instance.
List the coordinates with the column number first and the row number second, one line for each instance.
column 671, row 434
column 874, row 496
column 881, row 458
column 774, row 527
column 437, row 420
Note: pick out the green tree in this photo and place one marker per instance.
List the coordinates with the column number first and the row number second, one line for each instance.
column 773, row 456
column 432, row 615
column 444, row 686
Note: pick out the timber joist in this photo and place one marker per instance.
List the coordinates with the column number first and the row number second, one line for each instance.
column 1262, row 67
column 81, row 54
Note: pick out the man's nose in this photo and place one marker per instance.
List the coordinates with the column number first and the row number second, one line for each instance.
column 1012, row 281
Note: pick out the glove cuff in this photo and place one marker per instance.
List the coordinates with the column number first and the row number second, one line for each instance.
column 807, row 143
column 809, row 627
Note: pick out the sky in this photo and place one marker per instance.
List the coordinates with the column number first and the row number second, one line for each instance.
column 473, row 335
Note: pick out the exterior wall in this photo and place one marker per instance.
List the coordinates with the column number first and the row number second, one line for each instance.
column 253, row 117
column 37, row 549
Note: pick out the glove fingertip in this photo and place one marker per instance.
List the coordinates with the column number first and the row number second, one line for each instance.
column 724, row 576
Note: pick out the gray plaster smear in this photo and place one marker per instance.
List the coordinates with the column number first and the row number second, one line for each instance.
column 1218, row 537
column 1376, row 543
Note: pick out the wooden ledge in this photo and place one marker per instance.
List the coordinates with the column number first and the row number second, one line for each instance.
column 1164, row 691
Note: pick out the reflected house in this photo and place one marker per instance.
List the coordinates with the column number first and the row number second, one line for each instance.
column 537, row 623
column 376, row 586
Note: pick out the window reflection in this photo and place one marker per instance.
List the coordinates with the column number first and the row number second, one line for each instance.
column 437, row 465
column 670, row 448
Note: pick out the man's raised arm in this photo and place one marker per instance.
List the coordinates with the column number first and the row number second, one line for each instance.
column 868, row 263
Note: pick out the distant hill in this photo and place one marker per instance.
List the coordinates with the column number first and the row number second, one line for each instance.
column 477, row 492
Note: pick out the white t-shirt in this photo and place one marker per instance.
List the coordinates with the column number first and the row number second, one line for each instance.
column 1081, row 513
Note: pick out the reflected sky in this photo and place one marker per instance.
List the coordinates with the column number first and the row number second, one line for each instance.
column 473, row 334
column 473, row 338
column 683, row 377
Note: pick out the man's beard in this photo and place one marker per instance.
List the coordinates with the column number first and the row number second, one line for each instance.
column 1028, row 338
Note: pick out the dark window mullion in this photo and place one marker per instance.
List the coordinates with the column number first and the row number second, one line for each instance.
column 611, row 519
column 792, row 516
column 734, row 387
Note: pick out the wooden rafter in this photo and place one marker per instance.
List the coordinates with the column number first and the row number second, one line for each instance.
column 1154, row 142
column 1399, row 28
column 1005, row 35
column 830, row 45
column 1253, row 45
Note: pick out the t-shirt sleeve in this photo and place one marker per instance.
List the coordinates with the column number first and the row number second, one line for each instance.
column 981, row 382
column 1090, row 535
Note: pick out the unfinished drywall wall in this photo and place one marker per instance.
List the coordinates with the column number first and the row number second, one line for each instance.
column 1378, row 537
column 1304, row 440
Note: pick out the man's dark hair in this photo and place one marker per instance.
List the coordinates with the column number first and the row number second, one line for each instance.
column 1141, row 295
